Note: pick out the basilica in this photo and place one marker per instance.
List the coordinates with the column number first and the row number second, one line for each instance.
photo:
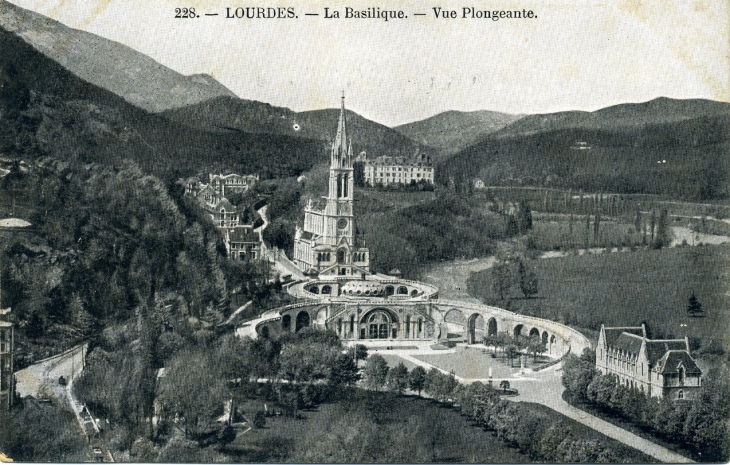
column 326, row 244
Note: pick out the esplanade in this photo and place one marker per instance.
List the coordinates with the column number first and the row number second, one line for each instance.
column 338, row 291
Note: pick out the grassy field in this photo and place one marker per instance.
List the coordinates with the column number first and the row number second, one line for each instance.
column 472, row 363
column 623, row 289
column 381, row 427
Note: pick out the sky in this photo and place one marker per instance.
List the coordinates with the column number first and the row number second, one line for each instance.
column 577, row 55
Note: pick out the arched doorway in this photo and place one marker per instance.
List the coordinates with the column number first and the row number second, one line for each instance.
column 314, row 290
column 326, row 289
column 341, row 256
column 544, row 337
column 475, row 332
column 380, row 324
column 389, row 290
column 534, row 332
column 302, row 320
column 265, row 332
column 402, row 290
column 492, row 327
column 517, row 331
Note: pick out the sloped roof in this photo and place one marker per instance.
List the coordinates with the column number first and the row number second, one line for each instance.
column 612, row 334
column 243, row 235
column 672, row 359
column 224, row 203
column 628, row 342
column 655, row 350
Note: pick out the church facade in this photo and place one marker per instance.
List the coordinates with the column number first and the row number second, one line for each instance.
column 327, row 241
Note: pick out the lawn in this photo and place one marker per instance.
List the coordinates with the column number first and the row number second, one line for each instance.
column 472, row 363
column 394, row 360
column 625, row 289
column 382, row 427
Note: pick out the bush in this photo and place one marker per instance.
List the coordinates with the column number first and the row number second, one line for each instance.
column 259, row 420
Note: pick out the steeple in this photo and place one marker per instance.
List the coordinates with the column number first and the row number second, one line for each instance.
column 340, row 147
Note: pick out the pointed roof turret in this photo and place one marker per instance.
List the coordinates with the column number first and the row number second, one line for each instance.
column 340, row 145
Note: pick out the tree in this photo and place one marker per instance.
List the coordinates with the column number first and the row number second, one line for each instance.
column 504, row 385
column 398, row 378
column 577, row 375
column 194, row 392
column 259, row 420
column 360, row 352
column 524, row 217
column 417, row 379
column 528, row 281
column 501, row 280
column 376, row 372
column 695, row 307
column 344, row 371
column 511, row 352
column 536, row 346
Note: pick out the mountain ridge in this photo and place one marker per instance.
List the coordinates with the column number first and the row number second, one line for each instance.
column 108, row 64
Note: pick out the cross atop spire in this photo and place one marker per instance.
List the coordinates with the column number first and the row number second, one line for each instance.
column 340, row 147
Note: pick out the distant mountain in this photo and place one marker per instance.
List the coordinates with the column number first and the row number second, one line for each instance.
column 110, row 65
column 47, row 110
column 226, row 114
column 627, row 116
column 456, row 130
column 678, row 148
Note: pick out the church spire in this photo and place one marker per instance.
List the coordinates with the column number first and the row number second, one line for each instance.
column 340, row 147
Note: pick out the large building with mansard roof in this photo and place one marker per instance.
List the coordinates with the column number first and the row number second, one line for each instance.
column 327, row 241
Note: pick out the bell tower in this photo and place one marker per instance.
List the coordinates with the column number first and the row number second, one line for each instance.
column 338, row 210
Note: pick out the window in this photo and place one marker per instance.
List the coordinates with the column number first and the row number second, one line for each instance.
column 680, row 395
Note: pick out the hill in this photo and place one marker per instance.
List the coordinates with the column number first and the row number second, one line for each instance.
column 452, row 131
column 226, row 114
column 47, row 110
column 110, row 65
column 669, row 147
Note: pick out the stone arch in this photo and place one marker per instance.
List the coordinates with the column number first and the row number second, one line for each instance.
column 475, row 329
column 303, row 320
column 552, row 339
column 455, row 316
column 402, row 290
column 544, row 337
column 492, row 327
column 327, row 289
column 518, row 330
column 286, row 323
column 314, row 290
column 389, row 290
column 380, row 323
column 534, row 332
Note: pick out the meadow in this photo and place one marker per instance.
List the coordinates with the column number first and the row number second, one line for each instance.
column 628, row 288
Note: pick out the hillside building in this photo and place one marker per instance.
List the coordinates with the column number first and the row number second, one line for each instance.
column 656, row 367
column 327, row 241
column 387, row 170
column 6, row 361
column 242, row 241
